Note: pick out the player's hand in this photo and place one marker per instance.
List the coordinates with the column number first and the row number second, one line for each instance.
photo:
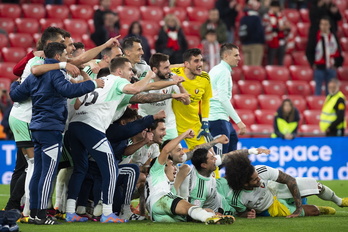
column 183, row 97
column 148, row 137
column 262, row 150
column 72, row 70
column 204, row 131
column 39, row 54
column 241, row 127
column 159, row 115
column 251, row 214
column 150, row 74
column 296, row 213
column 177, row 79
column 221, row 139
column 112, row 42
column 190, row 134
column 100, row 83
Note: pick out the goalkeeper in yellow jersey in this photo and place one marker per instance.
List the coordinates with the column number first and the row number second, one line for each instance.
column 197, row 84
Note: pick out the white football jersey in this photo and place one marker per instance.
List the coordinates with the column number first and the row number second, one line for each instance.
column 99, row 107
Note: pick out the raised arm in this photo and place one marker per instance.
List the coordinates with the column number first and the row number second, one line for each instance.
column 139, row 86
column 251, row 151
column 162, row 158
column 292, row 186
column 163, row 84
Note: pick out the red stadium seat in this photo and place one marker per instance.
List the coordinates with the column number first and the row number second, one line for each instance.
column 344, row 87
column 346, row 14
column 342, row 73
column 208, row 4
column 298, row 100
column 151, row 40
column 345, row 54
column 292, row 15
column 302, row 73
column 153, row 13
column 277, row 73
column 6, row 70
column 128, row 13
column 124, row 29
column 50, row 22
column 236, row 74
column 298, row 88
column 36, row 11
column 150, row 28
column 341, row 4
column 261, row 130
column 69, row 2
column 90, row 24
column 136, row 3
column 312, row 116
column 247, row 116
column 269, row 102
column 250, row 87
column 12, row 11
column 88, row 2
column 299, row 58
column 81, row 12
column 197, row 14
column 287, row 60
column 13, row 54
column 274, row 87
column 22, row 40
column 315, row 102
column 256, row 73
column 160, row 3
column 191, row 28
column 5, row 83
column 76, row 26
column 248, row 102
column 344, row 43
column 3, row 40
column 193, row 41
column 116, row 3
column 304, row 14
column 264, row 116
column 300, row 43
column 36, row 37
column 183, row 3
column 7, row 24
column 235, row 89
column 57, row 11
column 310, row 131
column 179, row 12
column 303, row 29
column 86, row 40
column 24, row 25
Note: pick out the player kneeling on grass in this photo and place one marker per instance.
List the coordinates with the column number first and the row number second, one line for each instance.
column 271, row 192
column 162, row 203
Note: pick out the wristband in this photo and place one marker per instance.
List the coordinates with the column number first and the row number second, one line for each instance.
column 253, row 151
column 62, row 65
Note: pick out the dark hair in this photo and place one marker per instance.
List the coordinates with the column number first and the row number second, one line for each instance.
column 130, row 29
column 275, row 3
column 165, row 143
column 227, row 47
column 291, row 115
column 118, row 62
column 50, row 33
column 54, row 48
column 238, row 171
column 191, row 52
column 210, row 31
column 129, row 113
column 128, row 42
column 103, row 72
column 154, row 125
column 327, row 18
column 66, row 34
column 106, row 51
column 79, row 45
column 199, row 157
column 156, row 59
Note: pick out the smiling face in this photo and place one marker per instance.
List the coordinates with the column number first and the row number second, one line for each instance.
column 195, row 65
column 232, row 57
column 209, row 165
column 170, row 170
column 135, row 53
column 70, row 48
column 177, row 154
column 163, row 71
column 255, row 181
column 126, row 71
column 159, row 133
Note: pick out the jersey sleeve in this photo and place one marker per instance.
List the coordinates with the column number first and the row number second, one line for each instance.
column 267, row 173
column 121, row 83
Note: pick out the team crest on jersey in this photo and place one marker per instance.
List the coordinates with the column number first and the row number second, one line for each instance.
column 196, row 91
column 165, row 91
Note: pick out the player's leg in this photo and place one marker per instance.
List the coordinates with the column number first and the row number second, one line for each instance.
column 327, row 194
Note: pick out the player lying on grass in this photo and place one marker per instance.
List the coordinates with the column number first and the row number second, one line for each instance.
column 163, row 205
column 271, row 192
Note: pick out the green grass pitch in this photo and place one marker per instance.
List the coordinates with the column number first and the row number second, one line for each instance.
column 330, row 223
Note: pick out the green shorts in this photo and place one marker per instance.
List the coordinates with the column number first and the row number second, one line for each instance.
column 164, row 209
column 21, row 132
